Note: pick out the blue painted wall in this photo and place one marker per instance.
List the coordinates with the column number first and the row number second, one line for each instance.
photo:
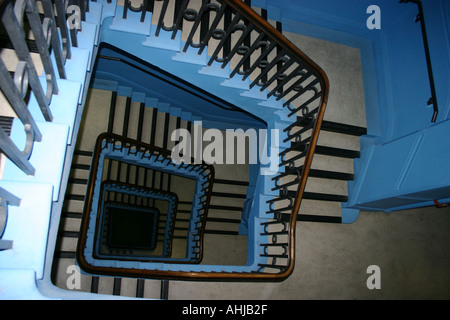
column 404, row 161
column 141, row 77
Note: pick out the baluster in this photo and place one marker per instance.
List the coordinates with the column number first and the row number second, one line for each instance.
column 6, row 198
column 17, row 36
column 61, row 21
column 180, row 7
column 14, row 92
column 279, row 75
column 264, row 78
column 19, row 158
column 224, row 41
column 147, row 7
column 143, row 8
column 56, row 45
column 75, row 27
column 261, row 63
column 297, row 85
column 125, row 9
column 279, row 28
column 204, row 25
column 247, row 40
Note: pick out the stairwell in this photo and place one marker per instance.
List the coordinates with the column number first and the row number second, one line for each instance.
column 137, row 115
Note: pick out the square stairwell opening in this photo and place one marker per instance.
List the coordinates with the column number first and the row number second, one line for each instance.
column 151, row 116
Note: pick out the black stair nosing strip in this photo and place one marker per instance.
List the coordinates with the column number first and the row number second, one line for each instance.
column 117, row 286
column 65, row 254
column 324, row 197
column 6, row 124
column 231, row 182
column 80, row 166
column 319, row 173
column 222, row 232
column 348, row 129
column 311, row 218
column 73, row 215
column 68, row 234
column 77, row 197
column 333, row 175
column 78, row 181
column 337, row 152
column 320, row 196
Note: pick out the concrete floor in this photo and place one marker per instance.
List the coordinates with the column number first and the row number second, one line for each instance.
column 410, row 247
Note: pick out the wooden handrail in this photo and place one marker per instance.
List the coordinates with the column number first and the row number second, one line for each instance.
column 294, row 53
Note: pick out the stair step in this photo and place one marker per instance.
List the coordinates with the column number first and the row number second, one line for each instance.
column 76, row 197
column 228, row 208
column 325, row 197
column 311, row 218
column 231, row 182
column 83, row 153
column 6, row 123
column 81, row 166
column 228, row 195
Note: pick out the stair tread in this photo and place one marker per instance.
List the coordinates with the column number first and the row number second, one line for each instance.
column 312, row 218
column 325, row 174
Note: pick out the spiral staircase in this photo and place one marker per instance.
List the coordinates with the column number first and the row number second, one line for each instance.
column 119, row 85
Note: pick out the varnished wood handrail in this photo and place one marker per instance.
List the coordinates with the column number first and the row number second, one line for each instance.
column 259, row 23
column 297, row 54
column 80, row 255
